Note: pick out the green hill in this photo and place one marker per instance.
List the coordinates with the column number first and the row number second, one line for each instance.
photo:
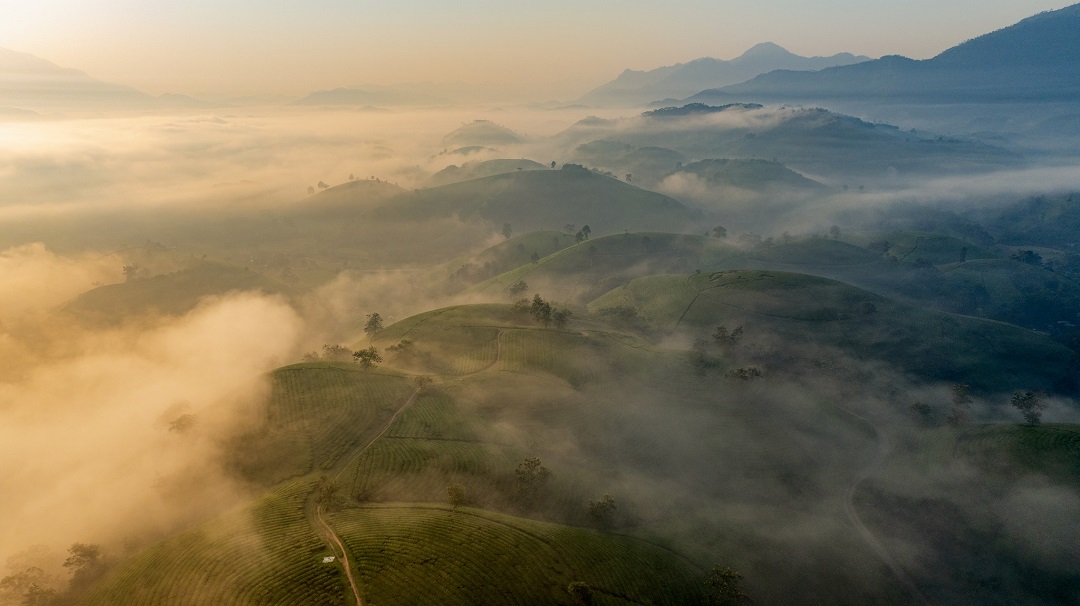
column 477, row 170
column 817, row 312
column 537, row 200
column 647, row 164
column 751, row 175
column 430, row 555
column 173, row 293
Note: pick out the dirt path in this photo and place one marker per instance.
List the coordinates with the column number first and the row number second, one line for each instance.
column 316, row 513
column 860, row 527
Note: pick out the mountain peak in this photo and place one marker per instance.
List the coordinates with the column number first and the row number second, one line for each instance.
column 765, row 49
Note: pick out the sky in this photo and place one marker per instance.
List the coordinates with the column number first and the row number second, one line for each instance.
column 557, row 48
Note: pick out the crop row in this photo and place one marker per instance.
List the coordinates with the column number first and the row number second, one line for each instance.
column 427, row 555
column 333, row 407
column 553, row 352
column 433, row 415
column 418, row 469
column 260, row 555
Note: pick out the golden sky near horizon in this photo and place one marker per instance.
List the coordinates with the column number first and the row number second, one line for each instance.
column 554, row 49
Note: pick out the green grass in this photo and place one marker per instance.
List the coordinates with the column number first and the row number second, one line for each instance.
column 409, row 554
column 264, row 554
column 1007, row 450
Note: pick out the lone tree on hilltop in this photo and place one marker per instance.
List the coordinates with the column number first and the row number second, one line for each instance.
column 374, row 324
column 367, row 357
column 1029, row 403
column 507, row 230
column 719, row 232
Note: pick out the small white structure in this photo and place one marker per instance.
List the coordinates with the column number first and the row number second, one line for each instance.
column 328, row 559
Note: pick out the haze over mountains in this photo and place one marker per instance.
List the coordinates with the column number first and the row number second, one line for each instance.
column 419, row 344
column 1037, row 59
column 677, row 81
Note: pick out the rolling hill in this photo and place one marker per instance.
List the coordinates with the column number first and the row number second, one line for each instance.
column 537, row 200
column 477, row 170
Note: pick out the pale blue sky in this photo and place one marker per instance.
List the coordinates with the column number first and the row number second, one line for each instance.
column 558, row 46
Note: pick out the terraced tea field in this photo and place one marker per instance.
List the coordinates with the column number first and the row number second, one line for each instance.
column 410, row 554
column 265, row 554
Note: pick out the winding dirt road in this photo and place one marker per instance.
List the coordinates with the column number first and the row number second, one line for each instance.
column 860, row 527
column 329, row 536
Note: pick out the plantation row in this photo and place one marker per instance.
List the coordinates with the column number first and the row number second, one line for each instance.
column 433, row 415
column 333, row 407
column 1048, row 449
column 557, row 353
column 419, row 470
column 431, row 555
column 261, row 555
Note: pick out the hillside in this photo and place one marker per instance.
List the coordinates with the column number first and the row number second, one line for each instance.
column 537, row 200
column 752, row 175
column 174, row 293
column 821, row 144
column 809, row 312
column 477, row 170
column 638, row 87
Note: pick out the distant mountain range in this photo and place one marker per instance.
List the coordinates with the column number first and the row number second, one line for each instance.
column 32, row 84
column 674, row 81
column 1037, row 59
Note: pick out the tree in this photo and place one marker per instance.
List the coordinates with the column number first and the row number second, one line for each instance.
column 535, row 257
column 335, row 352
column 519, row 310
column 834, row 232
column 310, row 190
column 327, row 494
column 132, row 272
column 581, row 593
column 540, row 310
column 82, row 556
column 507, row 230
column 374, row 324
column 402, row 348
column 1029, row 403
column 723, row 587
column 586, row 230
column 455, row 495
column 321, row 185
column 719, row 232
column 423, row 381
column 961, row 405
column 629, row 178
column 727, row 340
column 368, row 357
column 579, row 236
column 1027, row 256
column 552, row 165
column 560, row 317
column 602, row 510
column 518, row 288
column 530, row 477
